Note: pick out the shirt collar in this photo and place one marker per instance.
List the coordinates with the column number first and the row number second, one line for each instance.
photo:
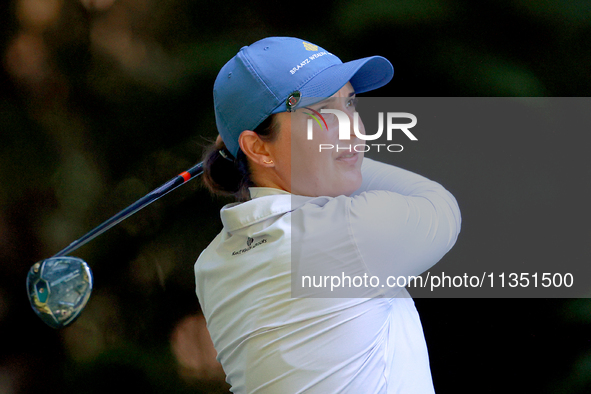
column 256, row 192
column 266, row 202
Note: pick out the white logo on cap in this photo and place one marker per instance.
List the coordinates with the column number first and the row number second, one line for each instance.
column 307, row 61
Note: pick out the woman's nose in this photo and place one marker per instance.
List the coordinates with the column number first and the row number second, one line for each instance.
column 356, row 125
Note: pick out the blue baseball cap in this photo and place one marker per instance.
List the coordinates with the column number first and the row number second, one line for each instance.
column 278, row 74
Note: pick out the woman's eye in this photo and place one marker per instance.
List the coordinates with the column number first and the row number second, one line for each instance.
column 352, row 102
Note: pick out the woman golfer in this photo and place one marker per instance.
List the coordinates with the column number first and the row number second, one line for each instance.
column 314, row 214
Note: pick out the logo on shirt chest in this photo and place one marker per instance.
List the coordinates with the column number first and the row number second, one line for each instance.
column 250, row 244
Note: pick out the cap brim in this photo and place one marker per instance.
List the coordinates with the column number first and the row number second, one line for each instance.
column 364, row 74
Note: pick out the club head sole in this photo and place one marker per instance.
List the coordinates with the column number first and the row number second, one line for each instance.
column 59, row 288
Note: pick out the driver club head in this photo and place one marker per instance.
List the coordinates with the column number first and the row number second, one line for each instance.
column 58, row 289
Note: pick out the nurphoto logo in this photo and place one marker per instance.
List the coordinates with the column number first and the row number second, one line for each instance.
column 345, row 130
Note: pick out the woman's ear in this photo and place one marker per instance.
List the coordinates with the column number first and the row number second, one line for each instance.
column 255, row 148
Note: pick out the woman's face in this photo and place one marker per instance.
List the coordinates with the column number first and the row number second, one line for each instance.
column 301, row 165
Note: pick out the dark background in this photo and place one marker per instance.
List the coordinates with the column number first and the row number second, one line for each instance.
column 102, row 101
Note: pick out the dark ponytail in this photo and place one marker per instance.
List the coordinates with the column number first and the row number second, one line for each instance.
column 225, row 175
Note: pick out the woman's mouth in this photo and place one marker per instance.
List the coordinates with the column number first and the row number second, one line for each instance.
column 350, row 158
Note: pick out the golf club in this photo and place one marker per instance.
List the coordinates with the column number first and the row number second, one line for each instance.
column 59, row 287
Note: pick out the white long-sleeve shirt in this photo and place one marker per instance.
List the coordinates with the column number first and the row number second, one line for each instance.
column 397, row 223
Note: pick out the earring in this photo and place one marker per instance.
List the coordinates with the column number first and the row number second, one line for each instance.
column 268, row 162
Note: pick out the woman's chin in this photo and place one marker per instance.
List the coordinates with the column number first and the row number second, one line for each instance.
column 350, row 184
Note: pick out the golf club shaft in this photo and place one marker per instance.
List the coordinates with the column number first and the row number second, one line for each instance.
column 154, row 195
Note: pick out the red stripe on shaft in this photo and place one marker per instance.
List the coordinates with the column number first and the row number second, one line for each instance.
column 186, row 176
